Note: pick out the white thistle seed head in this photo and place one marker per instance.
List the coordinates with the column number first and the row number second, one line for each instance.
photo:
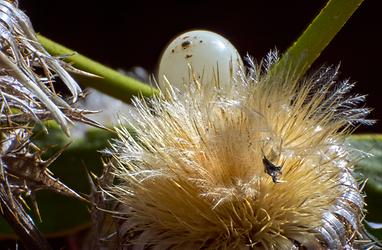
column 260, row 164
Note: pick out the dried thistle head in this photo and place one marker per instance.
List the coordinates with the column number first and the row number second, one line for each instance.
column 259, row 163
column 28, row 73
column 27, row 97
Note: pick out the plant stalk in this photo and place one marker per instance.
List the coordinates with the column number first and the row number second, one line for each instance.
column 109, row 82
column 308, row 47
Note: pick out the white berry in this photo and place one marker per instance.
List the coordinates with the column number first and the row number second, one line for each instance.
column 209, row 55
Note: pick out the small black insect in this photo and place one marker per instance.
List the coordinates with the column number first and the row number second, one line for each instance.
column 272, row 170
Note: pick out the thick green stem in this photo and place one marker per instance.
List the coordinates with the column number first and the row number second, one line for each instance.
column 301, row 55
column 110, row 82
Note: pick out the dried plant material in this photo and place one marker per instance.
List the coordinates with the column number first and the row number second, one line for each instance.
column 28, row 70
column 261, row 163
column 103, row 229
column 28, row 97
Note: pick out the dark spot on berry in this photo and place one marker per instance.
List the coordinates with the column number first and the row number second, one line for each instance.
column 188, row 56
column 200, row 41
column 185, row 37
column 172, row 51
column 186, row 44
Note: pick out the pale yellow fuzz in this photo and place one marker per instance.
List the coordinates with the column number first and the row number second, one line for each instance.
column 193, row 176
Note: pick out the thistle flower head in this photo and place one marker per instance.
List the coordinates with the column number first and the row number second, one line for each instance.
column 260, row 163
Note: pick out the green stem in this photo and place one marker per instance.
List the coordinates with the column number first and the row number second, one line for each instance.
column 110, row 82
column 308, row 47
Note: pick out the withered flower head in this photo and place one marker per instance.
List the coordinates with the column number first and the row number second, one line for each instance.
column 28, row 73
column 261, row 163
column 27, row 97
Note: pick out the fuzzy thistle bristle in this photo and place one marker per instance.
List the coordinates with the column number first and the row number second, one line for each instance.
column 260, row 163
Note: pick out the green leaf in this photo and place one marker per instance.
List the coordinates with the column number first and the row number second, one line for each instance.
column 370, row 168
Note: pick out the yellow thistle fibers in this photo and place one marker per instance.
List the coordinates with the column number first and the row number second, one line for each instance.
column 260, row 163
